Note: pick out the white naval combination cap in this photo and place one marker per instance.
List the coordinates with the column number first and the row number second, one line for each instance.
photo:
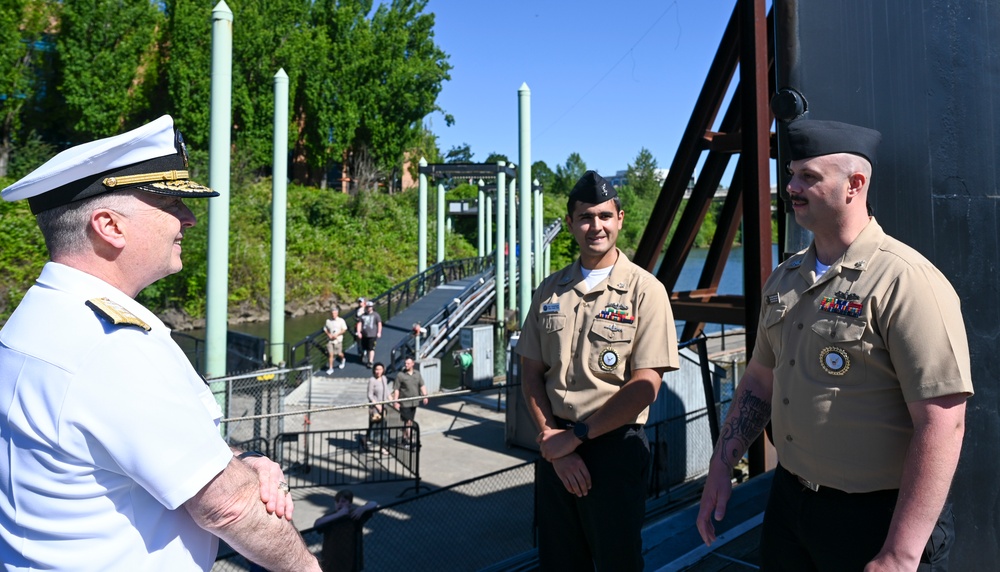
column 152, row 158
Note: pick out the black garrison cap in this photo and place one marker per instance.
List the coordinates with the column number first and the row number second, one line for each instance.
column 812, row 138
column 592, row 189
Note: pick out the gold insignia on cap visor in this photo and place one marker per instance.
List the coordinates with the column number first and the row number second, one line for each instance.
column 150, row 158
column 164, row 176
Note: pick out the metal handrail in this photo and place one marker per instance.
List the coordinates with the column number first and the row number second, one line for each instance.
column 402, row 295
column 395, row 300
column 447, row 321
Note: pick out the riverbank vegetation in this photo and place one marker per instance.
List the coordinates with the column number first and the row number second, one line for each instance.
column 363, row 82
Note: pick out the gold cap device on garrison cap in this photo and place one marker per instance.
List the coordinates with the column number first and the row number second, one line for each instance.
column 151, row 158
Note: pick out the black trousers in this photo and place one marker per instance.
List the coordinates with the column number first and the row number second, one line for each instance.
column 604, row 528
column 833, row 531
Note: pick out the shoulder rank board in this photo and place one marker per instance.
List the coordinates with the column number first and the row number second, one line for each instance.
column 115, row 313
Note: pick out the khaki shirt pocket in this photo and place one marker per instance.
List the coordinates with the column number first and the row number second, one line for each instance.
column 774, row 315
column 553, row 337
column 842, row 348
column 552, row 323
column 610, row 349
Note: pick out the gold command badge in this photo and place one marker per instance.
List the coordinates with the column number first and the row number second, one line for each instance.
column 609, row 359
column 834, row 360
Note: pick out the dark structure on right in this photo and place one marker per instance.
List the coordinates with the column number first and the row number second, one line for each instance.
column 927, row 75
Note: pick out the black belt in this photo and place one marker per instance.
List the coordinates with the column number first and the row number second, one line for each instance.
column 567, row 424
column 823, row 489
column 814, row 487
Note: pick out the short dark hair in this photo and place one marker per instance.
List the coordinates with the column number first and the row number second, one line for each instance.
column 344, row 495
column 376, row 364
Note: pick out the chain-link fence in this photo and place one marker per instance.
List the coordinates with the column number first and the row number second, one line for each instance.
column 466, row 526
column 479, row 523
column 253, row 405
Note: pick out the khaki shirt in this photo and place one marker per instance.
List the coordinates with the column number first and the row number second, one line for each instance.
column 880, row 329
column 591, row 342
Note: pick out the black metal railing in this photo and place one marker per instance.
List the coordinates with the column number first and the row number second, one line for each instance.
column 466, row 307
column 377, row 454
column 485, row 523
column 311, row 350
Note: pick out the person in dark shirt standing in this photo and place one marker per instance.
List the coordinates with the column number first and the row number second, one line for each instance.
column 408, row 384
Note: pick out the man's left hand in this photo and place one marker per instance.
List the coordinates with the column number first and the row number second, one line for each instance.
column 556, row 443
column 277, row 500
column 573, row 473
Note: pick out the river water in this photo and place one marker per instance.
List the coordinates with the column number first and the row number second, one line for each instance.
column 731, row 283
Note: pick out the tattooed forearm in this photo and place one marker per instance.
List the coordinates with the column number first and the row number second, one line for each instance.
column 744, row 423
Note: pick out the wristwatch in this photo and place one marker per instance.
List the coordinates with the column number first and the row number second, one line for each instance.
column 580, row 430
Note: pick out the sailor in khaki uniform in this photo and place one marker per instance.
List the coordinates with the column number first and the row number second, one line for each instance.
column 862, row 366
column 597, row 340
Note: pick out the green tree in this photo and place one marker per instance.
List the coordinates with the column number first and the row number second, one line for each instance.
column 641, row 175
column 493, row 157
column 269, row 40
column 108, row 65
column 459, row 154
column 426, row 147
column 400, row 83
column 23, row 41
column 568, row 174
column 327, row 106
column 541, row 172
column 187, row 44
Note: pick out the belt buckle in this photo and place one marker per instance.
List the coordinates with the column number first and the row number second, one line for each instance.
column 808, row 484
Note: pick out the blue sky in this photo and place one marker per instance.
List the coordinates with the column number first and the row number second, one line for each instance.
column 606, row 78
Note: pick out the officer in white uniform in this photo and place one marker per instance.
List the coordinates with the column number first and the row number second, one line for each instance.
column 110, row 457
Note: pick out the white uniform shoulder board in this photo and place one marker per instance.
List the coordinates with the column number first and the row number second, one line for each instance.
column 116, row 313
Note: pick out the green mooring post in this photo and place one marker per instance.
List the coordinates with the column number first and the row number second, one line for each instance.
column 524, row 181
column 422, row 221
column 480, row 219
column 279, row 206
column 539, row 239
column 216, row 303
column 440, row 223
column 512, row 254
column 501, row 243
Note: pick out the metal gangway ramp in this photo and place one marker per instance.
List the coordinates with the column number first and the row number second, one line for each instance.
column 442, row 299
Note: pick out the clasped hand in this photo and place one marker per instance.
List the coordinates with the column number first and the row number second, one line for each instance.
column 558, row 446
column 276, row 499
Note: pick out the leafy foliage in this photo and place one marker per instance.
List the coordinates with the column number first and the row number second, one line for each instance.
column 641, row 175
column 541, row 173
column 493, row 157
column 459, row 154
column 21, row 265
column 23, row 25
column 400, row 86
column 108, row 57
column 568, row 174
column 338, row 247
